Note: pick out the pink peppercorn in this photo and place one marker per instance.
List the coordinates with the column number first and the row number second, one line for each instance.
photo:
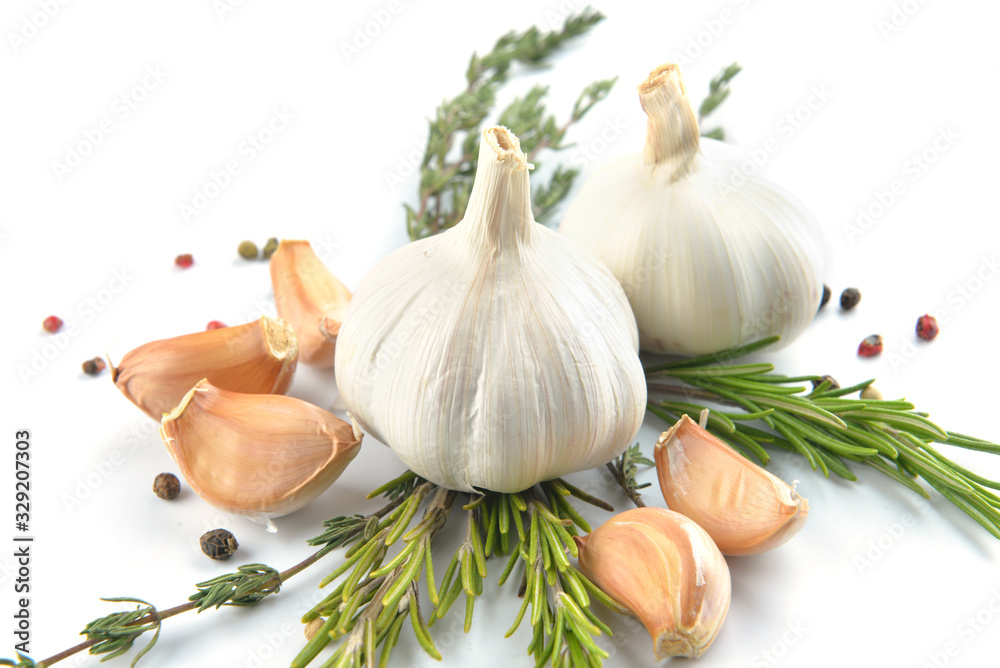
column 184, row 261
column 871, row 346
column 927, row 327
column 215, row 324
column 52, row 324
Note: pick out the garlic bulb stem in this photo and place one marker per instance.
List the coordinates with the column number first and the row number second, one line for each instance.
column 499, row 211
column 672, row 135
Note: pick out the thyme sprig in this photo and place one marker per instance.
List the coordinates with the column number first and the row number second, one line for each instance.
column 116, row 633
column 624, row 468
column 247, row 586
column 824, row 426
column 446, row 179
column 718, row 91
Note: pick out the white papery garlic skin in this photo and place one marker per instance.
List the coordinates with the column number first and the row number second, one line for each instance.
column 711, row 254
column 497, row 354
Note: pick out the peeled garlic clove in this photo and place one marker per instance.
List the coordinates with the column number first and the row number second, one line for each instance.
column 666, row 571
column 309, row 297
column 255, row 454
column 745, row 509
column 498, row 353
column 710, row 254
column 256, row 358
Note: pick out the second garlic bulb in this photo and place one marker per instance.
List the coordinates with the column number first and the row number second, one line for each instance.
column 710, row 254
column 497, row 354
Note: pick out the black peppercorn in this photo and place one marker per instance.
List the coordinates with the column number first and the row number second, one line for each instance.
column 93, row 367
column 833, row 384
column 166, row 486
column 826, row 296
column 849, row 298
column 219, row 544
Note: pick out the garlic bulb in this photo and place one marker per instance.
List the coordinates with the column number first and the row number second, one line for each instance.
column 745, row 509
column 257, row 455
column 497, row 354
column 710, row 254
column 257, row 358
column 666, row 571
column 310, row 298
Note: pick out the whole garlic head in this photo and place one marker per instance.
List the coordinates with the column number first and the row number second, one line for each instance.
column 711, row 254
column 497, row 354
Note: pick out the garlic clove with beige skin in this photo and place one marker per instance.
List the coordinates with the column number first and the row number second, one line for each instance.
column 664, row 570
column 257, row 455
column 745, row 509
column 256, row 358
column 309, row 297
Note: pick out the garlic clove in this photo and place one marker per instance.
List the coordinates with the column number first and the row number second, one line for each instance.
column 255, row 454
column 745, row 509
column 311, row 298
column 666, row 571
column 498, row 353
column 256, row 358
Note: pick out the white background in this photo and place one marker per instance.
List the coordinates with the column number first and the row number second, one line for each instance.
column 875, row 578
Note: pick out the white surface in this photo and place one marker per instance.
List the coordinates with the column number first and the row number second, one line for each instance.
column 101, row 532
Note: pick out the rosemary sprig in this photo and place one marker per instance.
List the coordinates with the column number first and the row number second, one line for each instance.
column 368, row 609
column 446, row 179
column 624, row 469
column 558, row 594
column 822, row 425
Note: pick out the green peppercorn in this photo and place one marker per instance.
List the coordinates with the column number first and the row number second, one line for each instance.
column 248, row 250
column 219, row 544
column 270, row 247
column 166, row 486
